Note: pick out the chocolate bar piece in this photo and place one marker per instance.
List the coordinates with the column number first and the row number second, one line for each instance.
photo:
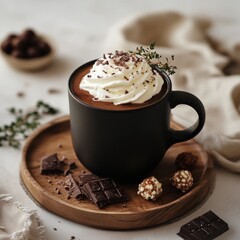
column 103, row 192
column 205, row 227
column 74, row 190
column 75, row 184
column 51, row 165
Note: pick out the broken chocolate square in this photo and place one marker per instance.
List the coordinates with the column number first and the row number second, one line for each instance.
column 103, row 192
column 74, row 190
column 51, row 165
column 205, row 227
column 75, row 184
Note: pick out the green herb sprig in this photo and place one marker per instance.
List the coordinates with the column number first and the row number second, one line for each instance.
column 153, row 58
column 25, row 122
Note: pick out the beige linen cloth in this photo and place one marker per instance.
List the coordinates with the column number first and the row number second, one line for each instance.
column 201, row 54
column 18, row 222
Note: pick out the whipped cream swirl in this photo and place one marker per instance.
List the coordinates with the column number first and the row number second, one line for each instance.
column 122, row 78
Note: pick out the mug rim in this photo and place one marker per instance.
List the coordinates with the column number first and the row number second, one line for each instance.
column 163, row 74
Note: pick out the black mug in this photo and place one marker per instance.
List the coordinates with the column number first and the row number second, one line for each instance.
column 127, row 145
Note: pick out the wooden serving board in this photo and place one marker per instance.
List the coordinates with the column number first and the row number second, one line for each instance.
column 48, row 191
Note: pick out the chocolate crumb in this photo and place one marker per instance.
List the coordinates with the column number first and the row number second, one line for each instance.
column 126, row 91
column 55, row 229
column 20, row 94
column 54, row 91
column 60, row 145
column 72, row 237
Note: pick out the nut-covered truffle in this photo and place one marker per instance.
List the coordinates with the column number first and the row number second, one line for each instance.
column 150, row 189
column 186, row 161
column 182, row 180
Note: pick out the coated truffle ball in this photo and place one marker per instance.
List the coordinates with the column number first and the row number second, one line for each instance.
column 150, row 189
column 182, row 180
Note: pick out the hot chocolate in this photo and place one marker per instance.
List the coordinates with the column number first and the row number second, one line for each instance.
column 87, row 98
column 120, row 126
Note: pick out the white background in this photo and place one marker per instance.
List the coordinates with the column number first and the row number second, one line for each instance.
column 79, row 29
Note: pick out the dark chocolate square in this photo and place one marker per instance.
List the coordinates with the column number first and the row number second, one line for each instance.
column 205, row 227
column 103, row 192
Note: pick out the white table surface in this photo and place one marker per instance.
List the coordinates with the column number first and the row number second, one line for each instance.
column 79, row 29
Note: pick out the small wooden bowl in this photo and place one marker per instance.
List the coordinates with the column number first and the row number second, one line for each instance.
column 30, row 64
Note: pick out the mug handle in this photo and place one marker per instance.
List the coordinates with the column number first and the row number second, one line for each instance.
column 181, row 97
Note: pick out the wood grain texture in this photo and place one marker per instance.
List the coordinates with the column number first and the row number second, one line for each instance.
column 137, row 213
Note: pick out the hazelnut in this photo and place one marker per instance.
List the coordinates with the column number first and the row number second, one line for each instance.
column 182, row 180
column 186, row 161
column 150, row 189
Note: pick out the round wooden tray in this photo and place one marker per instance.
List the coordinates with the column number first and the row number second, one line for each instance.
column 54, row 137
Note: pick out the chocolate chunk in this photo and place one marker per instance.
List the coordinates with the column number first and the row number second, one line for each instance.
column 205, row 227
column 75, row 190
column 103, row 192
column 51, row 165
